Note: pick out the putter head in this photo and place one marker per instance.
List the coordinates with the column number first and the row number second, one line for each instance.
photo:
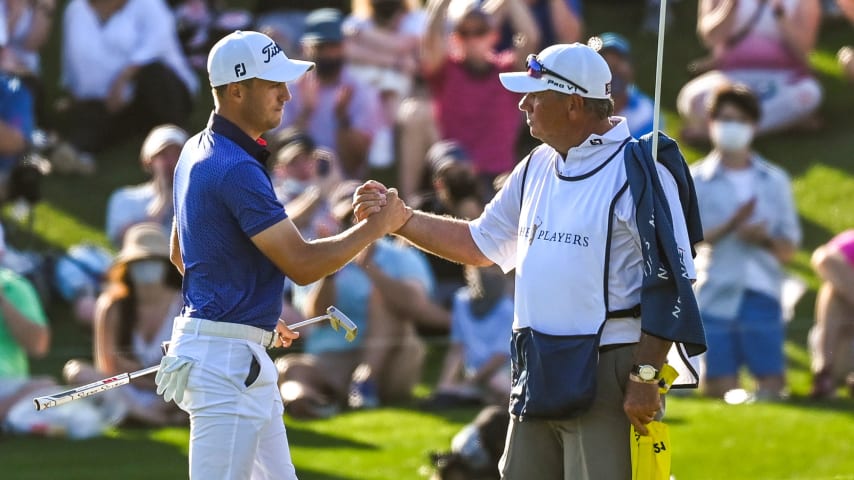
column 338, row 319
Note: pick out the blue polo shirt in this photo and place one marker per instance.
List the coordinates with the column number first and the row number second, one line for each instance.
column 223, row 196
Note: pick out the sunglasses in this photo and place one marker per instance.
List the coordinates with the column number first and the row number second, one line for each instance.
column 536, row 69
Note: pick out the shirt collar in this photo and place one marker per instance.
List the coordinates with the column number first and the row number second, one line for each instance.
column 254, row 147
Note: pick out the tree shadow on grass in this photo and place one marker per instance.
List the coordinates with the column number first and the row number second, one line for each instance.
column 32, row 458
column 305, row 437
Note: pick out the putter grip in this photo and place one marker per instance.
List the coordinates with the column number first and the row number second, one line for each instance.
column 61, row 398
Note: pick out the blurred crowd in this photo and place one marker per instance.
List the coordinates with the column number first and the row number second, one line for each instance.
column 408, row 91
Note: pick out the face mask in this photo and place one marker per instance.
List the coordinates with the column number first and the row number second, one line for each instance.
column 731, row 136
column 328, row 67
column 147, row 272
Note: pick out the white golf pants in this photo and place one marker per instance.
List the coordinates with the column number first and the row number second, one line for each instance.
column 236, row 431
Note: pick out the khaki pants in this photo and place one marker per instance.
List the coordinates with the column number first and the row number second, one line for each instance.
column 594, row 446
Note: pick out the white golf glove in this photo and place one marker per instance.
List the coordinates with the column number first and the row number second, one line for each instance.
column 172, row 377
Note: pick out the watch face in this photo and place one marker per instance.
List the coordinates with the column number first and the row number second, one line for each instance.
column 646, row 372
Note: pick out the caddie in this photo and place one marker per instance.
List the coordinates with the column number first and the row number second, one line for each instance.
column 234, row 244
column 600, row 237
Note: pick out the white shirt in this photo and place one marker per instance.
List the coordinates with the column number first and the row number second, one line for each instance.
column 128, row 206
column 496, row 232
column 93, row 53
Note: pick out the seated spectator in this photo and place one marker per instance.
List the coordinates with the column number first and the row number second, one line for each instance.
column 304, row 176
column 382, row 291
column 142, row 78
column 133, row 318
column 765, row 45
column 25, row 27
column 477, row 365
column 25, row 333
column 629, row 101
column 455, row 192
column 16, row 127
column 832, row 338
column 558, row 21
column 471, row 107
column 751, row 230
column 152, row 200
column 340, row 113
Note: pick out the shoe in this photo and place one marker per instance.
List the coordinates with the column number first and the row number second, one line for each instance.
column 363, row 395
column 823, row 385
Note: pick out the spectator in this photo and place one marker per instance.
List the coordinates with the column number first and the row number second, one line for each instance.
column 379, row 291
column 16, row 127
column 471, row 107
column 751, row 229
column 284, row 21
column 629, row 101
column 24, row 29
column 340, row 113
column 303, row 178
column 763, row 44
column 558, row 21
column 456, row 192
column 133, row 318
column 152, row 200
column 477, row 365
column 832, row 338
column 25, row 333
column 142, row 78
column 383, row 42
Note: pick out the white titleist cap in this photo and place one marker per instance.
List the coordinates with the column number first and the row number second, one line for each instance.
column 244, row 55
column 574, row 68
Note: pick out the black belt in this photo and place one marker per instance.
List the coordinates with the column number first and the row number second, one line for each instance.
column 632, row 312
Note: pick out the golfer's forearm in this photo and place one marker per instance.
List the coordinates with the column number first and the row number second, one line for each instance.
column 445, row 237
column 652, row 350
column 323, row 257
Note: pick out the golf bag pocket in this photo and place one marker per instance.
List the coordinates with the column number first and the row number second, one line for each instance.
column 554, row 376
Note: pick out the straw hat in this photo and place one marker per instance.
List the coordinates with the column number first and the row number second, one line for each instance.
column 144, row 240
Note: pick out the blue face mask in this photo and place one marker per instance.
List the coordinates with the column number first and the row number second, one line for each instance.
column 147, row 272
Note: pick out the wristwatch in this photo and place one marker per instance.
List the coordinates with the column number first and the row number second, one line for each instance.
column 644, row 374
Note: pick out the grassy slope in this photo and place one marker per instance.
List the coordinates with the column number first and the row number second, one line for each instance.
column 797, row 440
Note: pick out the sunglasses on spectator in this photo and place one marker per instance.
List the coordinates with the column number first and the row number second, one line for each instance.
column 473, row 32
column 536, row 69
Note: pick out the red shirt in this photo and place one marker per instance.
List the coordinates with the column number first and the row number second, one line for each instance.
column 478, row 112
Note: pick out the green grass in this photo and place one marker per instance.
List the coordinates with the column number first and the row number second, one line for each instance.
column 793, row 440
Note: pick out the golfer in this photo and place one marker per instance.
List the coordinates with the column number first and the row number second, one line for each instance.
column 600, row 243
column 234, row 244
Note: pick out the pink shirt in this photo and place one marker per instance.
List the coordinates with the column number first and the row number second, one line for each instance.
column 844, row 242
column 478, row 112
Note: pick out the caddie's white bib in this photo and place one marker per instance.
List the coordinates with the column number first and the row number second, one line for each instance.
column 564, row 235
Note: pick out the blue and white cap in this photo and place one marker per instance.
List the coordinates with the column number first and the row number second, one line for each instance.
column 244, row 55
column 565, row 68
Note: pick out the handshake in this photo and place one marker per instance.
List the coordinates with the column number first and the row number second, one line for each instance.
column 379, row 205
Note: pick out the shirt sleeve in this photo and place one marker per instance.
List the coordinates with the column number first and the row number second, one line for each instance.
column 247, row 192
column 680, row 229
column 495, row 232
column 21, row 293
column 157, row 25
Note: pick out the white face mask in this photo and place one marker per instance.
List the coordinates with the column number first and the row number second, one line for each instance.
column 147, row 272
column 730, row 136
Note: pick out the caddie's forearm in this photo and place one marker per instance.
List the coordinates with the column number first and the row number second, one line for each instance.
column 652, row 350
column 445, row 237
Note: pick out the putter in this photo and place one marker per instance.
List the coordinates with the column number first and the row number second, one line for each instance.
column 336, row 319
